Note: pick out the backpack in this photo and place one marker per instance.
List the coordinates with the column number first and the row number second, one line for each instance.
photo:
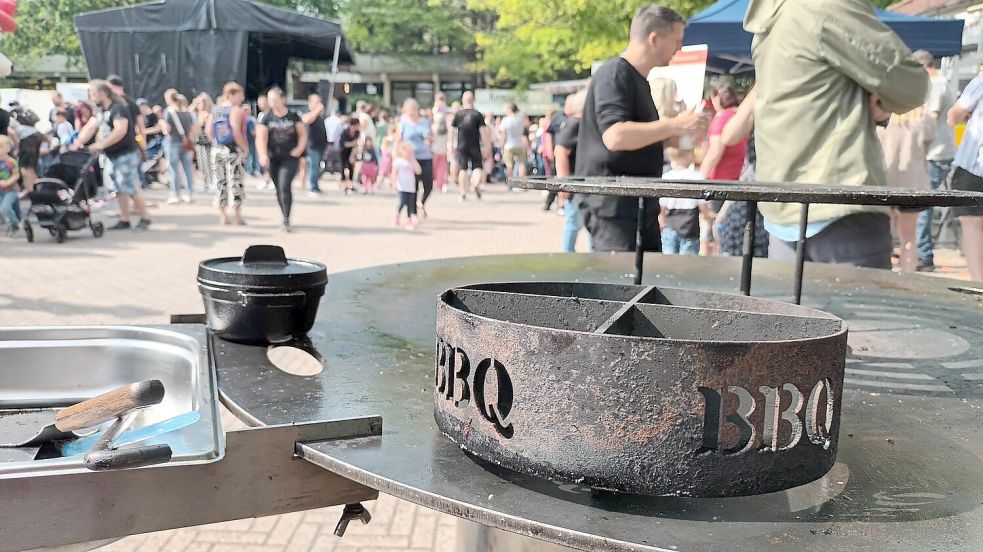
column 25, row 116
column 222, row 126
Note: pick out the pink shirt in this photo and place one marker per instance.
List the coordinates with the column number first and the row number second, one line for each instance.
column 730, row 165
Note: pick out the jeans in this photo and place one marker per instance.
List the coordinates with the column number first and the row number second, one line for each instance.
column 937, row 173
column 252, row 160
column 8, row 201
column 314, row 158
column 179, row 159
column 572, row 223
column 674, row 244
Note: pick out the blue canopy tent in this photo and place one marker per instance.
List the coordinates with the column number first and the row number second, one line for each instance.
column 721, row 27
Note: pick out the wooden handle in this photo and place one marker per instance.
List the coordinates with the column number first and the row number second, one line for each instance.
column 110, row 405
column 126, row 458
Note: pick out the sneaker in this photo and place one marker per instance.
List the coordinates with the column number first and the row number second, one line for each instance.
column 463, row 198
column 143, row 224
column 269, row 185
column 13, row 231
column 121, row 225
column 173, row 200
column 314, row 193
column 561, row 212
column 925, row 266
column 286, row 227
column 261, row 186
column 186, row 198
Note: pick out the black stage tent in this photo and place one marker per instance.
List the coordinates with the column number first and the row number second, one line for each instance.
column 199, row 45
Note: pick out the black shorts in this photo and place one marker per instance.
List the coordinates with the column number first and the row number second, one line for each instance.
column 346, row 163
column 618, row 231
column 968, row 182
column 469, row 159
column 29, row 152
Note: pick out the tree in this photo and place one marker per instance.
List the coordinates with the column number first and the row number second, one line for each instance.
column 46, row 27
column 546, row 39
column 536, row 40
column 409, row 26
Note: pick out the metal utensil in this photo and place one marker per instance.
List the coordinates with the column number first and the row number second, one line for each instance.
column 110, row 405
column 131, row 436
column 27, row 430
column 104, row 456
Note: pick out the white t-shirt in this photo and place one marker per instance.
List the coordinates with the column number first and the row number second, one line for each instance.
column 333, row 128
column 405, row 175
column 366, row 127
column 514, row 127
column 940, row 100
column 689, row 173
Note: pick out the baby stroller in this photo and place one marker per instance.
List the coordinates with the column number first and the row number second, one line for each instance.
column 59, row 201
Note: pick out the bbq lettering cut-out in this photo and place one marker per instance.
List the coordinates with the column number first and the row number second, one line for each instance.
column 782, row 408
column 489, row 383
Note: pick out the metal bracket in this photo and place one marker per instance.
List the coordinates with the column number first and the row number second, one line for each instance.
column 260, row 475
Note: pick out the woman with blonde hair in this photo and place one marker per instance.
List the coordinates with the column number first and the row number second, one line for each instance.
column 906, row 140
column 418, row 131
column 177, row 125
column 201, row 109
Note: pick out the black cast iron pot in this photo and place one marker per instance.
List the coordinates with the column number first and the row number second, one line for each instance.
column 262, row 297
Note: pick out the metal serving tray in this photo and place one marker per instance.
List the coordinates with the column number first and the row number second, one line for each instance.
column 59, row 366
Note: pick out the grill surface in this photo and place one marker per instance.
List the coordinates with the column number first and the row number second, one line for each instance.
column 908, row 474
column 640, row 389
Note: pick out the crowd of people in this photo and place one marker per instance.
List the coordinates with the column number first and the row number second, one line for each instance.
column 899, row 114
column 208, row 145
column 898, row 111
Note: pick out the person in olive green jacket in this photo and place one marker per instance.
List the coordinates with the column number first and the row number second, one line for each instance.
column 827, row 72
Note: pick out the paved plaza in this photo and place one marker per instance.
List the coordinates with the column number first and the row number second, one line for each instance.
column 142, row 277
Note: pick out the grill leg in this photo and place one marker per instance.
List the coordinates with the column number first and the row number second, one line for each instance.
column 749, row 228
column 639, row 246
column 800, row 252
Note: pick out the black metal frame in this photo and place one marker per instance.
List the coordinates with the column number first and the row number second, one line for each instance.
column 751, row 193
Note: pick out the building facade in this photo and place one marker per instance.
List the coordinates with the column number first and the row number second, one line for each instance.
column 962, row 69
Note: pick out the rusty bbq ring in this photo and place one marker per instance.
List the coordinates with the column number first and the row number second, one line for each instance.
column 640, row 389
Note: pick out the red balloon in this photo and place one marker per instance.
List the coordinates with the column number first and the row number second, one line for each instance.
column 7, row 23
column 8, row 7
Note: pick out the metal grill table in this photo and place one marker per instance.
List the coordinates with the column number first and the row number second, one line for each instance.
column 909, row 471
column 751, row 193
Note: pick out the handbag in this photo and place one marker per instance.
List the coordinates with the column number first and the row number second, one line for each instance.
column 186, row 142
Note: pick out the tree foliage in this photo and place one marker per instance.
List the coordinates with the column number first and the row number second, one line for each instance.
column 46, row 27
column 516, row 41
column 546, row 39
column 409, row 26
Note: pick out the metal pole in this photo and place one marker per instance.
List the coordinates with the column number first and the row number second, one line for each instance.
column 800, row 252
column 639, row 244
column 749, row 229
column 334, row 73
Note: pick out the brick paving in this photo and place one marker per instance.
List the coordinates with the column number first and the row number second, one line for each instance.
column 140, row 278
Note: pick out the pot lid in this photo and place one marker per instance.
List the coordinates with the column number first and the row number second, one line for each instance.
column 264, row 266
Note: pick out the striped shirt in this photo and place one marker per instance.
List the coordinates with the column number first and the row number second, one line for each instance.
column 968, row 154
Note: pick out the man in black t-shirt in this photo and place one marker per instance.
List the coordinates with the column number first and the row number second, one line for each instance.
column 117, row 140
column 116, row 85
column 621, row 134
column 469, row 143
column 317, row 141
